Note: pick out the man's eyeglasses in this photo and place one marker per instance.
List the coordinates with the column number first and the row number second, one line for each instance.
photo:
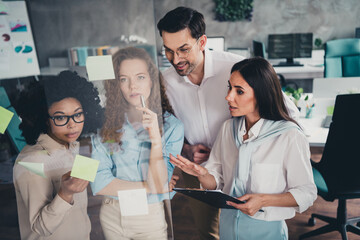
column 181, row 52
column 62, row 120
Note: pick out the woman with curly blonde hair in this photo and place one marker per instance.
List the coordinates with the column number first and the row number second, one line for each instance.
column 133, row 146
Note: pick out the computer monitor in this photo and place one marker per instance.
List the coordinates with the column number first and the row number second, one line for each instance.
column 216, row 43
column 357, row 32
column 290, row 46
column 258, row 49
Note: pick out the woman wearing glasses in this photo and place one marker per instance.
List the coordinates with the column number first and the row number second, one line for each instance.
column 51, row 204
column 133, row 147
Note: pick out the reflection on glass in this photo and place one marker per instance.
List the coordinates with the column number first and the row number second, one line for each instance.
column 133, row 148
column 54, row 115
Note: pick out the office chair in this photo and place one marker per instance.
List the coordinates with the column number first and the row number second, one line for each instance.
column 337, row 174
column 342, row 58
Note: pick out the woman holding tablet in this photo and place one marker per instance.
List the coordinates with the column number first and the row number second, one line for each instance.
column 260, row 156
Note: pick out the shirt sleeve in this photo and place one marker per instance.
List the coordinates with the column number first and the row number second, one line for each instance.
column 299, row 172
column 214, row 164
column 46, row 213
column 104, row 174
column 174, row 141
column 291, row 107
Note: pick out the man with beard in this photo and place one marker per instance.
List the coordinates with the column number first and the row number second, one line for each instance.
column 196, row 86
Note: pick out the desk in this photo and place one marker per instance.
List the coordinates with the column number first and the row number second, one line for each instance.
column 307, row 71
column 316, row 134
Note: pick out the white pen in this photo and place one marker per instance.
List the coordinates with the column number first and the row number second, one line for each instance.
column 142, row 101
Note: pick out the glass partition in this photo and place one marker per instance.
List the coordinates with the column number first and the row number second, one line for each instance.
column 85, row 148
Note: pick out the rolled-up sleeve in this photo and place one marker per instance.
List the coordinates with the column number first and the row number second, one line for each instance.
column 214, row 163
column 299, row 173
column 104, row 174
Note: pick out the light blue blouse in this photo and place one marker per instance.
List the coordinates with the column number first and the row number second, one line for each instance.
column 130, row 161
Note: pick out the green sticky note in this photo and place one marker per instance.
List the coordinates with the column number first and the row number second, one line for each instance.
column 85, row 168
column 330, row 110
column 37, row 168
column 5, row 118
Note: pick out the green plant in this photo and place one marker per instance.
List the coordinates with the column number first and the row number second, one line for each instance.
column 295, row 93
column 233, row 10
column 318, row 43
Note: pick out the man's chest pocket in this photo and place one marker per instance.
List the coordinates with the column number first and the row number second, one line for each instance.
column 265, row 178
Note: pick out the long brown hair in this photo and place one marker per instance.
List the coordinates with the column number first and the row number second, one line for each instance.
column 116, row 104
column 262, row 78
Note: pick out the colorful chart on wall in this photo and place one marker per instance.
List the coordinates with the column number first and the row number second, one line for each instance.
column 17, row 49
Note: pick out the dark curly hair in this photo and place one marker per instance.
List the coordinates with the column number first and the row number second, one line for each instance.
column 35, row 101
column 116, row 103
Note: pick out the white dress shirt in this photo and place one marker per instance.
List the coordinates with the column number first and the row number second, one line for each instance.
column 203, row 109
column 279, row 165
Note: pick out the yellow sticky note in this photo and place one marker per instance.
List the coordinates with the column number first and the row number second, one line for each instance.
column 84, row 168
column 5, row 118
column 37, row 168
column 100, row 68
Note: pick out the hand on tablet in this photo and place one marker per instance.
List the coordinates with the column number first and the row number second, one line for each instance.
column 254, row 203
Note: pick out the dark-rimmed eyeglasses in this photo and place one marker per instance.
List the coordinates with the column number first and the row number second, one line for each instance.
column 62, row 120
column 180, row 52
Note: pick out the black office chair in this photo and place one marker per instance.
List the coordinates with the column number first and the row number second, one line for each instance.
column 337, row 174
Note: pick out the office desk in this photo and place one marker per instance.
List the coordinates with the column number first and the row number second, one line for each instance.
column 316, row 134
column 307, row 71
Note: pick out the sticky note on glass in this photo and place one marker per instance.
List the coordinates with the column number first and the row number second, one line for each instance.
column 5, row 118
column 84, row 168
column 133, row 202
column 37, row 168
column 100, row 67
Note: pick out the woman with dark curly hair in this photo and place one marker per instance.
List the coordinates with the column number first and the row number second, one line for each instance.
column 54, row 115
column 133, row 146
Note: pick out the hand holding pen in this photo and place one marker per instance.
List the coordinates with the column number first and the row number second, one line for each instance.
column 150, row 122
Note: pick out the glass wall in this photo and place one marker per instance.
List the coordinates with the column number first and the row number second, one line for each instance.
column 86, row 143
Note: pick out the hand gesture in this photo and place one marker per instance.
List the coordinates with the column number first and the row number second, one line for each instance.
column 172, row 182
column 253, row 203
column 187, row 166
column 71, row 185
column 197, row 153
column 150, row 123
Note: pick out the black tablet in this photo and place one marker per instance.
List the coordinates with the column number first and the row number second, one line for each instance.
column 215, row 198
